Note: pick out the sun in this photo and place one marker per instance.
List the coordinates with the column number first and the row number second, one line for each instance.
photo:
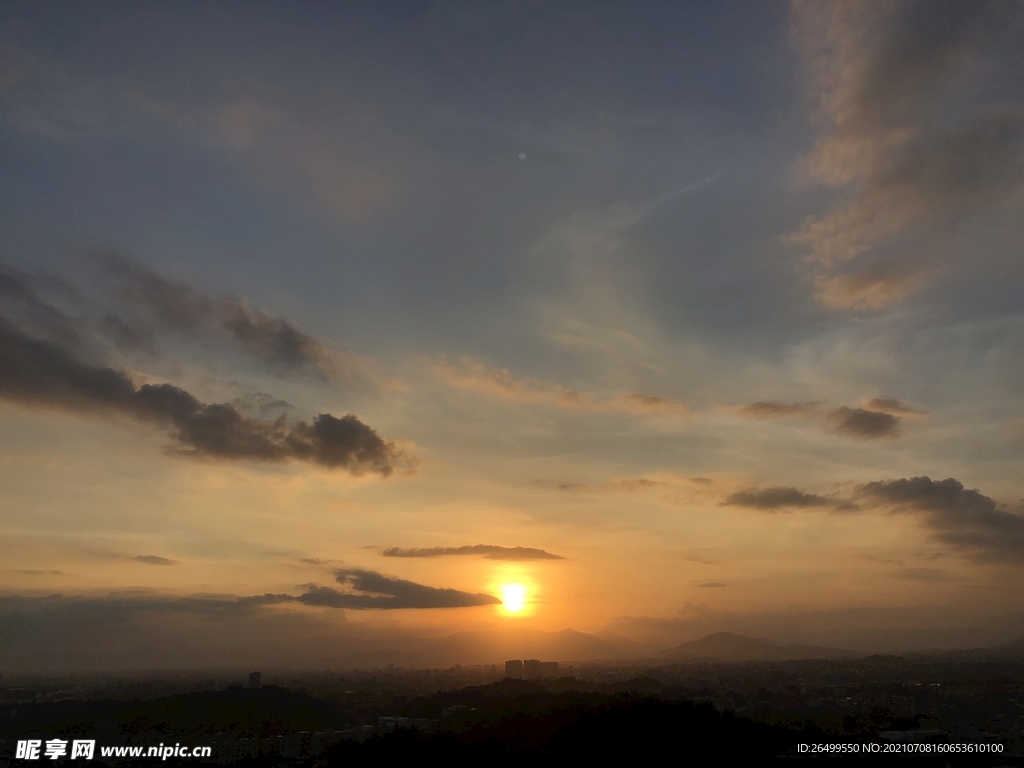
column 513, row 596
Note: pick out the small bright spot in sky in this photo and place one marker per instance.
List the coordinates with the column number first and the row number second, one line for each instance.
column 514, row 597
column 522, row 155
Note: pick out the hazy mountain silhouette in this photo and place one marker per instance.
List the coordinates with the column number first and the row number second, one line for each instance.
column 727, row 646
column 490, row 647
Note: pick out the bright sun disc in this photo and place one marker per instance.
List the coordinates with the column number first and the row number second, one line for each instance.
column 514, row 597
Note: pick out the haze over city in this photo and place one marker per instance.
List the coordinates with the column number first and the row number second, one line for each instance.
column 339, row 335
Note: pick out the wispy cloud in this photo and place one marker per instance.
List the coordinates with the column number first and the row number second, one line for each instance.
column 154, row 560
column 893, row 406
column 905, row 132
column 625, row 485
column 487, row 551
column 165, row 305
column 499, row 382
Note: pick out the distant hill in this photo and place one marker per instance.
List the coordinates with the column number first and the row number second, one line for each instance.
column 727, row 646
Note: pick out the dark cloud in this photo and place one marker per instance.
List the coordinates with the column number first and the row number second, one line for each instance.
column 35, row 572
column 963, row 518
column 261, row 403
column 38, row 373
column 863, row 424
column 177, row 306
column 363, row 590
column 20, row 301
column 127, row 337
column 711, row 585
column 369, row 589
column 154, row 560
column 769, row 410
column 781, row 497
column 860, row 423
column 487, row 551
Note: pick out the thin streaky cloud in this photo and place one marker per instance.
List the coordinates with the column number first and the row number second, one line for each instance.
column 499, row 382
column 154, row 560
column 171, row 305
column 487, row 551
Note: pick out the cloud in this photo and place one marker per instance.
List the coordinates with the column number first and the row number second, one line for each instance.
column 784, row 497
column 20, row 301
column 767, row 410
column 487, row 551
column 909, row 135
column 963, row 518
column 893, row 406
column 128, row 337
column 363, row 590
column 170, row 305
column 154, row 560
column 863, row 424
column 317, row 561
column 626, row 485
column 711, row 585
column 369, row 589
column 859, row 423
column 883, row 560
column 641, row 402
column 261, row 403
column 499, row 382
column 35, row 572
column 38, row 373
column 923, row 574
column 695, row 558
column 872, row 288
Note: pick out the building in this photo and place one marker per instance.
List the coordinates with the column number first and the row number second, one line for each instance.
column 536, row 668
column 254, row 679
column 514, row 668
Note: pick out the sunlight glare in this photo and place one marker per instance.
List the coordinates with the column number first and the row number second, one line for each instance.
column 514, row 597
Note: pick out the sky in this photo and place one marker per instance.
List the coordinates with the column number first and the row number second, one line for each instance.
column 333, row 328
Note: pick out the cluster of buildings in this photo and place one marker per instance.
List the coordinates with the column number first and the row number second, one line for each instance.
column 530, row 668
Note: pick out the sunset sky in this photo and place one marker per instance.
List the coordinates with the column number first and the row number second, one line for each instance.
column 332, row 325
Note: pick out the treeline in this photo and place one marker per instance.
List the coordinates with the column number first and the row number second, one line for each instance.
column 592, row 727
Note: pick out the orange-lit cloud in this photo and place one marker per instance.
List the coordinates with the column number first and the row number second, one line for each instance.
column 498, row 382
column 884, row 78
